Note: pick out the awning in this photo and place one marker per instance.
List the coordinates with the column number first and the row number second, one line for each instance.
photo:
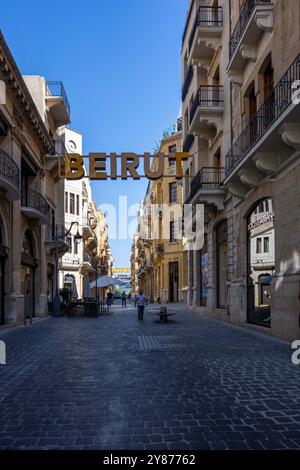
column 106, row 281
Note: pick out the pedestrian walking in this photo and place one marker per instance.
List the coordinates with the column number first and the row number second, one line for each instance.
column 140, row 302
column 109, row 300
column 123, row 299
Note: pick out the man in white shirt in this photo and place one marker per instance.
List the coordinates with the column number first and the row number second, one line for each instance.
column 141, row 302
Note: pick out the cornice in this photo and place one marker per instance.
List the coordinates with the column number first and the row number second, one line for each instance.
column 15, row 82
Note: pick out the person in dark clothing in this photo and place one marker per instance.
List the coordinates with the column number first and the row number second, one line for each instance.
column 123, row 299
column 140, row 302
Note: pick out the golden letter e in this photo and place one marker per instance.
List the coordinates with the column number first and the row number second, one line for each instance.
column 74, row 166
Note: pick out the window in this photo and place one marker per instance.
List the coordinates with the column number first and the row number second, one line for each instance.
column 77, row 204
column 172, row 149
column 258, row 245
column 266, row 244
column 172, row 232
column 69, row 242
column 72, row 203
column 172, row 192
column 66, row 202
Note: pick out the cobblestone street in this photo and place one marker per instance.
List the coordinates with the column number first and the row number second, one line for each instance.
column 116, row 383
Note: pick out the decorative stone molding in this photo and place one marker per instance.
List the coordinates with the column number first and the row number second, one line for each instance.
column 250, row 177
column 264, row 19
column 249, row 52
column 267, row 162
column 238, row 189
column 290, row 135
column 237, row 78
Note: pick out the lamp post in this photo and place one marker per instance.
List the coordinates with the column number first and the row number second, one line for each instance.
column 77, row 238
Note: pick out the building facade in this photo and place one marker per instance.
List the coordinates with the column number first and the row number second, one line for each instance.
column 158, row 262
column 31, row 111
column 241, row 122
column 91, row 257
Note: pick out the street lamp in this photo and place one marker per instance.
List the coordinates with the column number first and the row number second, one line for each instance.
column 77, row 238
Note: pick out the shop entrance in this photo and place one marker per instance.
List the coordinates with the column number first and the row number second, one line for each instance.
column 173, row 282
column 261, row 262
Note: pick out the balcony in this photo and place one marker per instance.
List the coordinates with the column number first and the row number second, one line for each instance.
column 271, row 139
column 205, row 36
column 9, row 177
column 207, row 188
column 69, row 262
column 34, row 205
column 256, row 17
column 187, row 81
column 57, row 102
column 88, row 226
column 86, row 267
column 206, row 112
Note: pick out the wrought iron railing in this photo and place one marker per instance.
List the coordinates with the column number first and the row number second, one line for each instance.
column 187, row 82
column 9, row 169
column 207, row 178
column 179, row 124
column 57, row 89
column 208, row 96
column 279, row 99
column 244, row 17
column 35, row 200
column 188, row 142
column 206, row 17
column 159, row 248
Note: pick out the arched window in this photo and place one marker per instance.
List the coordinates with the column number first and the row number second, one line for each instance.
column 261, row 261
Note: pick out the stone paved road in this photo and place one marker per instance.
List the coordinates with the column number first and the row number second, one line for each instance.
column 116, row 383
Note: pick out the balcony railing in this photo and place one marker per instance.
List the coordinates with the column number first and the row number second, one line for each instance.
column 188, row 142
column 160, row 248
column 269, row 112
column 57, row 89
column 244, row 17
column 179, row 125
column 35, row 200
column 206, row 17
column 207, row 178
column 187, row 82
column 208, row 96
column 9, row 169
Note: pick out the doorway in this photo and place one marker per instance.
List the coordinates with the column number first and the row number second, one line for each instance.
column 261, row 262
column 173, row 281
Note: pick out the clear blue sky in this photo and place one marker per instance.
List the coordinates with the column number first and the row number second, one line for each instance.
column 120, row 64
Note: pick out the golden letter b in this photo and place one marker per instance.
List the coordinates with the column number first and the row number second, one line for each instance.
column 74, row 166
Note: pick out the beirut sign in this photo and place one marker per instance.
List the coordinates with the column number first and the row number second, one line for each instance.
column 104, row 166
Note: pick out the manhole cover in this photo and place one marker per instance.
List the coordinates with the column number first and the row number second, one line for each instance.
column 160, row 343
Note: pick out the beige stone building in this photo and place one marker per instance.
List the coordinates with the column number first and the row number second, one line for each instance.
column 240, row 61
column 158, row 262
column 31, row 111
